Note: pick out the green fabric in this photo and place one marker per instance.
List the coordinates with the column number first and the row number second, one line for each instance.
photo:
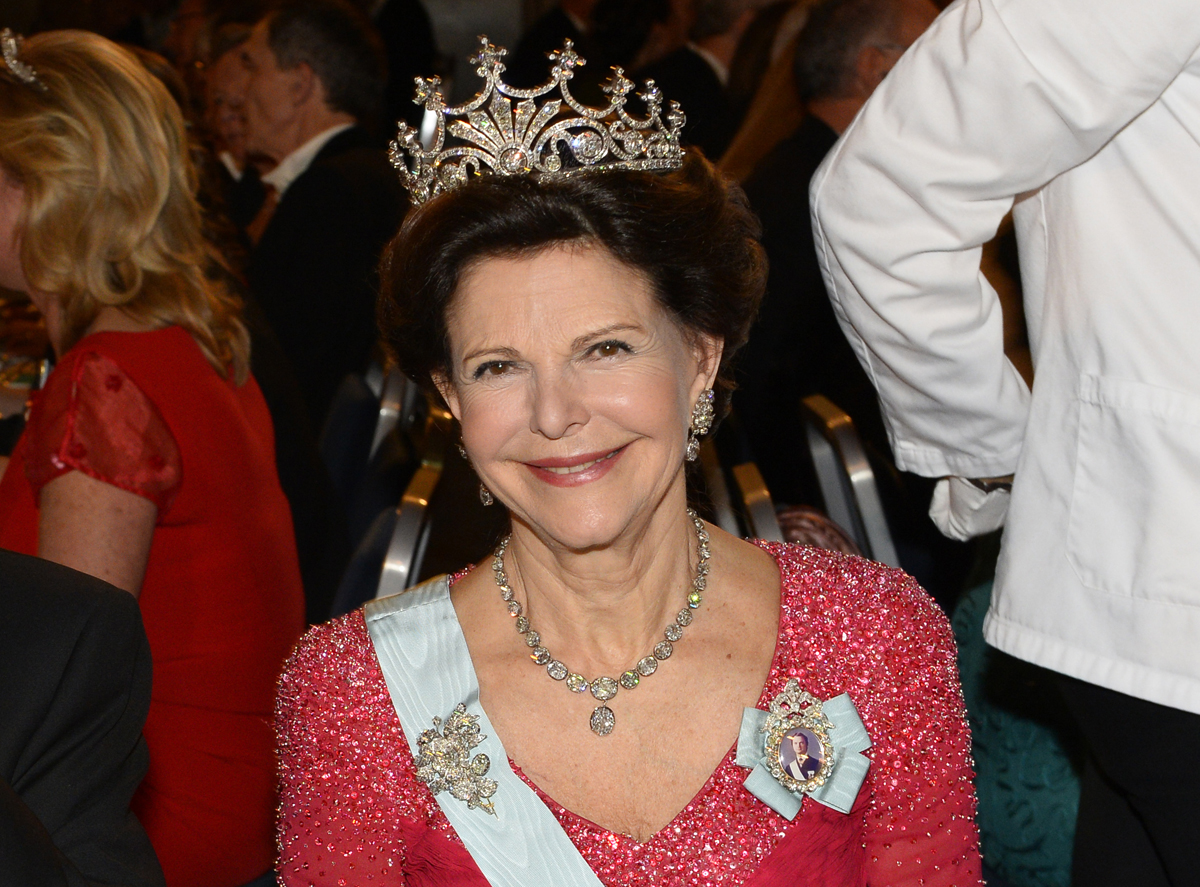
column 1025, row 757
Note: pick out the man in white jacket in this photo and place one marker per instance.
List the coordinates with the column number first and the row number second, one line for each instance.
column 1083, row 116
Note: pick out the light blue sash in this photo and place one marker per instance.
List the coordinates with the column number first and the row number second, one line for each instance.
column 428, row 671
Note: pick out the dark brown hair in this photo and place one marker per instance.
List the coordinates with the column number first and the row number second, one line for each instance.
column 688, row 232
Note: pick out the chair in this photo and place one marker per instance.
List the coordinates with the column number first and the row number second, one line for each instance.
column 348, row 435
column 757, row 511
column 367, row 444
column 757, row 508
column 392, row 545
column 401, row 404
column 730, row 490
column 806, row 525
column 460, row 529
column 393, row 457
column 389, row 470
column 737, row 495
column 440, row 525
column 410, row 532
column 360, row 580
column 846, row 480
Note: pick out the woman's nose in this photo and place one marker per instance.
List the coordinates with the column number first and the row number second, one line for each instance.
column 559, row 407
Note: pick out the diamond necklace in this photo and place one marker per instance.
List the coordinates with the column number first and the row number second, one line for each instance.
column 602, row 688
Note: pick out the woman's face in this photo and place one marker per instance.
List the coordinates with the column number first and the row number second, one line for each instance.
column 12, row 197
column 574, row 390
column 12, row 273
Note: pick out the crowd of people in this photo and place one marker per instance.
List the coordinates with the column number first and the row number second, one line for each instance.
column 223, row 209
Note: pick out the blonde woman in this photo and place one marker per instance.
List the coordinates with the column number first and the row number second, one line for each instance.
column 148, row 456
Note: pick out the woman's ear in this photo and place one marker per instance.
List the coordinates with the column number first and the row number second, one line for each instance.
column 708, row 351
column 449, row 394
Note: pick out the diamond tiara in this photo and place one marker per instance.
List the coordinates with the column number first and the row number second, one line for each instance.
column 559, row 138
column 10, row 46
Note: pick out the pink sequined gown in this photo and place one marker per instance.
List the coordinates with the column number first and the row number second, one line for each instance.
column 353, row 813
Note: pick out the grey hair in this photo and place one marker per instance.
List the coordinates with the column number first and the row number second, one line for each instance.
column 833, row 36
column 715, row 17
column 341, row 46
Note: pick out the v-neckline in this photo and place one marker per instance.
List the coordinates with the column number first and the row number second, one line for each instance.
column 727, row 761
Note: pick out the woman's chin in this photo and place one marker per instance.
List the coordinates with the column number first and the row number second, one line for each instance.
column 577, row 527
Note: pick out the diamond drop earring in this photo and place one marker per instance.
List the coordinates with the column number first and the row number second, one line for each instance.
column 702, row 420
column 485, row 495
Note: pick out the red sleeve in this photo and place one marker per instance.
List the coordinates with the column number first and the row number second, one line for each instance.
column 921, row 823
column 349, row 809
column 91, row 417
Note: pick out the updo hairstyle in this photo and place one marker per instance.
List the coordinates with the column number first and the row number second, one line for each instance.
column 109, row 217
column 688, row 232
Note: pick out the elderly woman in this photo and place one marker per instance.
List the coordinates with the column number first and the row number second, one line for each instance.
column 580, row 327
column 148, row 459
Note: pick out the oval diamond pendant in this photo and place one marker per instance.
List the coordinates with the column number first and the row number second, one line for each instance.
column 604, row 689
column 603, row 720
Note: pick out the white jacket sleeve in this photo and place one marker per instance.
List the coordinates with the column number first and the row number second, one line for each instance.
column 998, row 98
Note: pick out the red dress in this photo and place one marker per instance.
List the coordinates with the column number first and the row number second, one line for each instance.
column 353, row 812
column 221, row 600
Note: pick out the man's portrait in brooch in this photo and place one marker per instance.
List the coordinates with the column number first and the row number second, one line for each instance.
column 800, row 754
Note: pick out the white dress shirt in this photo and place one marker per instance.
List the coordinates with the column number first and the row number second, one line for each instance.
column 293, row 166
column 1087, row 112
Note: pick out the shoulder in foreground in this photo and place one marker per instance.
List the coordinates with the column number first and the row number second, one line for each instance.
column 327, row 650
column 39, row 590
column 852, row 582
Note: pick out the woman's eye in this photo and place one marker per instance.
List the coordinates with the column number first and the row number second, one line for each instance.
column 493, row 369
column 610, row 349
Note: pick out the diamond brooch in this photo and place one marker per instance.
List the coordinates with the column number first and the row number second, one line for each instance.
column 444, row 761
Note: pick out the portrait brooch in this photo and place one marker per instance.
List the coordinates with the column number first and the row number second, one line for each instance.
column 802, row 746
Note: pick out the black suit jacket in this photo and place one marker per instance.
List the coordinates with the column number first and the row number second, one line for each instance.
column 685, row 77
column 314, row 272
column 74, row 692
column 796, row 346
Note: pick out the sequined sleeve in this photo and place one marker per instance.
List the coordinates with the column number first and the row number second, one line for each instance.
column 350, row 812
column 920, row 826
column 93, row 418
column 853, row 626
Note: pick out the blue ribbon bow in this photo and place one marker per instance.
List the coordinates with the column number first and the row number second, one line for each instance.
column 849, row 738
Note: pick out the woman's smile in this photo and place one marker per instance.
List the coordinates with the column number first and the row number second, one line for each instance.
column 576, row 470
column 571, row 383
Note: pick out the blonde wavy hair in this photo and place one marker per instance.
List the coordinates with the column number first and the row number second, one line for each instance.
column 109, row 216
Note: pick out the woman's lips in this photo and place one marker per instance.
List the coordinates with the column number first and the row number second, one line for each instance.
column 575, row 470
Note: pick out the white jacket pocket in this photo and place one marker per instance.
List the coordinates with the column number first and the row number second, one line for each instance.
column 1135, row 505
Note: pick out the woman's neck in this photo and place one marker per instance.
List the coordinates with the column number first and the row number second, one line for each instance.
column 50, row 307
column 600, row 611
column 111, row 319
